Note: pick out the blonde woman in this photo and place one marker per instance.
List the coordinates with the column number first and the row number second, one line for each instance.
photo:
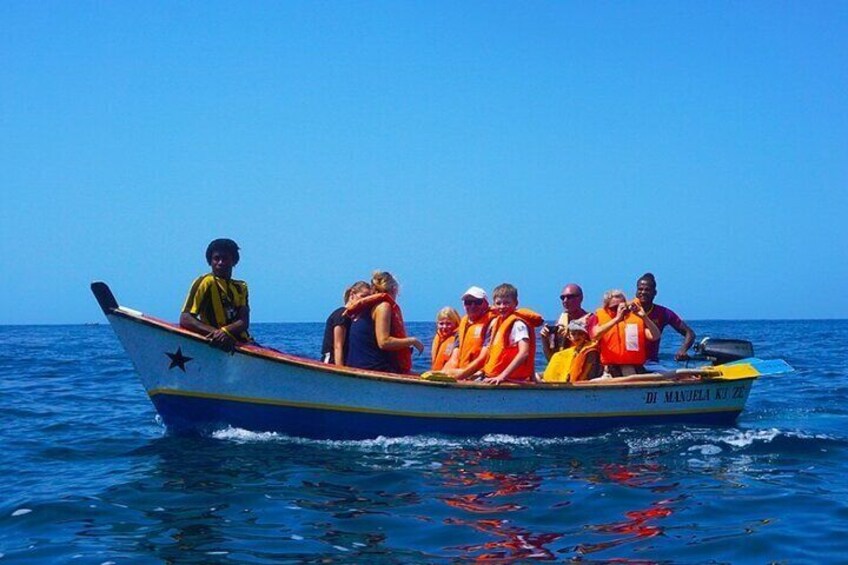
column 378, row 339
column 622, row 331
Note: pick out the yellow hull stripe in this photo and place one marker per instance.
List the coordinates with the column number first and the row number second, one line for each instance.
column 336, row 408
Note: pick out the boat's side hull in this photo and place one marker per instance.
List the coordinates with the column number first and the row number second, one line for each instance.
column 192, row 413
column 194, row 386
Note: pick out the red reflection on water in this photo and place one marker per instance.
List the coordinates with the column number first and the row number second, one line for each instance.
column 632, row 475
column 515, row 543
column 477, row 503
column 634, row 528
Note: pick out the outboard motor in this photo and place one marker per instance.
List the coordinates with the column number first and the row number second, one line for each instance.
column 724, row 350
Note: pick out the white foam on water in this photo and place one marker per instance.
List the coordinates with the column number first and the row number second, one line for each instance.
column 704, row 437
column 340, row 548
column 21, row 512
column 296, row 537
column 529, row 441
column 706, row 449
column 382, row 443
column 697, row 463
column 239, row 435
column 749, row 437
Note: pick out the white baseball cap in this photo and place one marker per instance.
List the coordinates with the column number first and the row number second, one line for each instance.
column 475, row 292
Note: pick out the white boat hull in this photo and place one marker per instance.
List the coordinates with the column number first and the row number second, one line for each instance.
column 196, row 387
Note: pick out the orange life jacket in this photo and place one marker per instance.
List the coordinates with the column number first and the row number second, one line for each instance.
column 578, row 363
column 441, row 350
column 402, row 357
column 471, row 338
column 501, row 353
column 623, row 344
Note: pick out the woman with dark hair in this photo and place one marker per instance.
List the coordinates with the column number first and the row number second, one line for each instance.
column 334, row 347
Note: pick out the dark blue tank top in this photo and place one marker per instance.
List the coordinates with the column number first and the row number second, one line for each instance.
column 363, row 352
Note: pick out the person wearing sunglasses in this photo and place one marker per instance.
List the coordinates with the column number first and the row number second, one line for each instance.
column 470, row 354
column 555, row 338
column 623, row 330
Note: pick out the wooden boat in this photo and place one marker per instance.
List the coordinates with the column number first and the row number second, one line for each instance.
column 195, row 387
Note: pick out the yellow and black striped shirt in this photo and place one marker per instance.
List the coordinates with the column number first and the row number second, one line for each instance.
column 216, row 301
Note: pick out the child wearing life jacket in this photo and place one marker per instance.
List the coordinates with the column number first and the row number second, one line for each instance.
column 580, row 362
column 445, row 340
column 512, row 346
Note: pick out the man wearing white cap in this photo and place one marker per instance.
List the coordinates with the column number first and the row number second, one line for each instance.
column 468, row 358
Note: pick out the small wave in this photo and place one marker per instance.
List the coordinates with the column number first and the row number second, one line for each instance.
column 423, row 442
column 239, row 435
column 706, row 449
column 711, row 439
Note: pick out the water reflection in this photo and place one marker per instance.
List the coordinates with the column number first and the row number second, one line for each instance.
column 495, row 493
column 206, row 500
column 485, row 471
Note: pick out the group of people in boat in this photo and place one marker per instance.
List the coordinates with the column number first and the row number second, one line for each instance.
column 492, row 343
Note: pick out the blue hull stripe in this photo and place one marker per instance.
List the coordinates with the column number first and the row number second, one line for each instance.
column 189, row 413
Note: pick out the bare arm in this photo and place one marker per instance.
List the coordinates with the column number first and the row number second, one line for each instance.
column 652, row 332
column 600, row 329
column 222, row 338
column 242, row 321
column 382, row 314
column 474, row 366
column 339, row 335
column 523, row 353
column 453, row 362
column 688, row 339
column 192, row 324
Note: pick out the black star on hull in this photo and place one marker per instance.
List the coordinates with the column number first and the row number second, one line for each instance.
column 178, row 359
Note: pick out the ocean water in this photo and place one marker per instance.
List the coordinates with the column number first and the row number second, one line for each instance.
column 89, row 475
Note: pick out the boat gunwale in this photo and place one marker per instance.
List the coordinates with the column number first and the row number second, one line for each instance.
column 273, row 355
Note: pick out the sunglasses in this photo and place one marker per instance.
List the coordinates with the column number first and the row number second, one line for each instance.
column 472, row 301
column 564, row 296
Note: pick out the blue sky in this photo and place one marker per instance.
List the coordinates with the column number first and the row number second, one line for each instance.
column 450, row 143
